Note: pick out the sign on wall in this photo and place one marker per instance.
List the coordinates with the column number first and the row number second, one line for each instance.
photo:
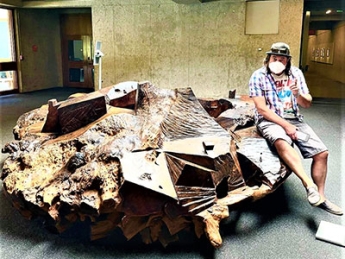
column 262, row 17
column 323, row 53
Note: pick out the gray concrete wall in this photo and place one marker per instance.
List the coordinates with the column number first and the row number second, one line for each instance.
column 202, row 46
column 40, row 46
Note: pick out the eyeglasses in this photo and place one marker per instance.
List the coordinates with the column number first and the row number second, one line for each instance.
column 280, row 51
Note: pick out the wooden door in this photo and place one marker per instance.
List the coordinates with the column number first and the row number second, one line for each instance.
column 77, row 63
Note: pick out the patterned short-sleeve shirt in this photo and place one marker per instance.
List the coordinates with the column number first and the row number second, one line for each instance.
column 262, row 84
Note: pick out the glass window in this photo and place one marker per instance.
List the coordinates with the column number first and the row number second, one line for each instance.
column 8, row 73
column 75, row 50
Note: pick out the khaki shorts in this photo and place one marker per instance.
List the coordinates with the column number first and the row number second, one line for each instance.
column 272, row 131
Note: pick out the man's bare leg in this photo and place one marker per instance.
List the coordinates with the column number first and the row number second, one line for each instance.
column 319, row 171
column 319, row 174
column 291, row 157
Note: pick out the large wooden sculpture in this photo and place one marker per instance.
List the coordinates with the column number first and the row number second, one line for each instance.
column 149, row 161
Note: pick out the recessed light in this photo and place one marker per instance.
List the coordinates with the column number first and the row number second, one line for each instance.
column 328, row 11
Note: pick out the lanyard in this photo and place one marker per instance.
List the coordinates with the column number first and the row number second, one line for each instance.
column 272, row 82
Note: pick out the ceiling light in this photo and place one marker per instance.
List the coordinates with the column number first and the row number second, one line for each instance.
column 328, row 11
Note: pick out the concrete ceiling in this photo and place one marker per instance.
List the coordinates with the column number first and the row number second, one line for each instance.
column 319, row 20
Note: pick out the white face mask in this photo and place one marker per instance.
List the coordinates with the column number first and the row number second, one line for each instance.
column 276, row 67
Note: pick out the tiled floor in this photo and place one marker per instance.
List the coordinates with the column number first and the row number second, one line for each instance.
column 322, row 87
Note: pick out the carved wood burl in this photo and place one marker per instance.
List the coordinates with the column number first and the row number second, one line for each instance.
column 147, row 160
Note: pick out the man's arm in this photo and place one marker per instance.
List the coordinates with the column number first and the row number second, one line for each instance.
column 270, row 115
column 303, row 99
column 300, row 89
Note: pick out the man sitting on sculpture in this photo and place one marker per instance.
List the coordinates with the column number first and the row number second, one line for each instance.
column 278, row 89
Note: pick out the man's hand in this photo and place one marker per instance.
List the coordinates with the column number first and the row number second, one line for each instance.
column 303, row 100
column 291, row 131
column 268, row 114
column 294, row 88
